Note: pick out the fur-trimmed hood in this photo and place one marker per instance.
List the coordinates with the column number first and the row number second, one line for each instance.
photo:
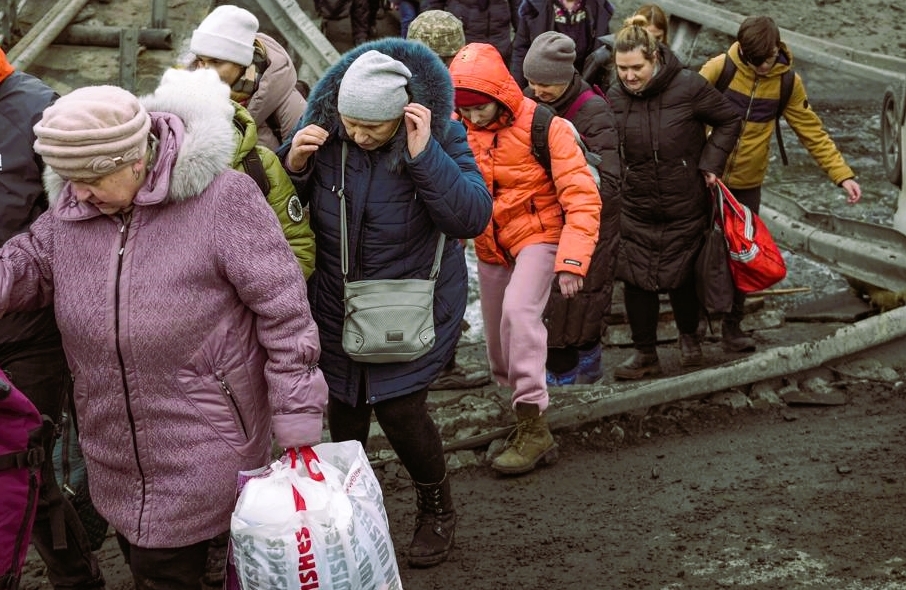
column 430, row 86
column 191, row 117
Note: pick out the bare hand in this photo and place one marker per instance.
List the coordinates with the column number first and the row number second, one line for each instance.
column 570, row 284
column 306, row 141
column 710, row 178
column 418, row 127
column 853, row 190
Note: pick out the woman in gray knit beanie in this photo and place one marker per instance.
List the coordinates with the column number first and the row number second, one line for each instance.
column 379, row 126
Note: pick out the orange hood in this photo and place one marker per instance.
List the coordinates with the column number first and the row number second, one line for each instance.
column 479, row 67
column 6, row 68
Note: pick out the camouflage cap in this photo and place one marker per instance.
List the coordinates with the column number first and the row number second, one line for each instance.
column 439, row 30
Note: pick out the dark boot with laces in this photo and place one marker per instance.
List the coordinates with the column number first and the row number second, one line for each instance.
column 434, row 524
column 690, row 350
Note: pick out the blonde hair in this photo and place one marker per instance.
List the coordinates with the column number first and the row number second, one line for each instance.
column 656, row 18
column 634, row 35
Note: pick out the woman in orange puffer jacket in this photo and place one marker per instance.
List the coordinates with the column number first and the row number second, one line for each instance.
column 543, row 224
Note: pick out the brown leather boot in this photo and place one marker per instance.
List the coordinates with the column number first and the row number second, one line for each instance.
column 530, row 442
column 638, row 365
column 434, row 524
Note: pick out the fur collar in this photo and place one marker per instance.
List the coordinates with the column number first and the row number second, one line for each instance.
column 193, row 150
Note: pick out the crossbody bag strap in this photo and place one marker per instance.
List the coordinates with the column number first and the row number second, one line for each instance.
column 344, row 237
column 344, row 243
column 438, row 254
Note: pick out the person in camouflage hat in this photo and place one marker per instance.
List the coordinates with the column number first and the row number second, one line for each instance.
column 440, row 31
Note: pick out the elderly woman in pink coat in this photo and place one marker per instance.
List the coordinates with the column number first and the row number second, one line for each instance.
column 184, row 319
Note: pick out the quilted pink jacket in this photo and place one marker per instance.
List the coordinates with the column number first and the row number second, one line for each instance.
column 188, row 333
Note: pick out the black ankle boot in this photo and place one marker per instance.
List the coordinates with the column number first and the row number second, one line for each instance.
column 734, row 339
column 434, row 525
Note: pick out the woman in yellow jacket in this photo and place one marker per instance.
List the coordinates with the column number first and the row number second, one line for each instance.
column 542, row 225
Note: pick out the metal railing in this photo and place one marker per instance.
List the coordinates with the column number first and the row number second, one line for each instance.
column 313, row 52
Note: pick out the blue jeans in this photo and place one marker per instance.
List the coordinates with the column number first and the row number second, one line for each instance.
column 38, row 368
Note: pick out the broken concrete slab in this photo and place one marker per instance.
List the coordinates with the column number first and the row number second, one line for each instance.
column 845, row 306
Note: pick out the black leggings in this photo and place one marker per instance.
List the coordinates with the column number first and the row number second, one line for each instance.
column 407, row 424
column 642, row 308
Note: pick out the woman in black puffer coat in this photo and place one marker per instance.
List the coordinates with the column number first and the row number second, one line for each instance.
column 669, row 161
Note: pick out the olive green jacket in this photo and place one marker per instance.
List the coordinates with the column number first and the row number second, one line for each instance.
column 294, row 218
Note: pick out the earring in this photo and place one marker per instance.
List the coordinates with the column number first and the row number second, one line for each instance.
column 136, row 174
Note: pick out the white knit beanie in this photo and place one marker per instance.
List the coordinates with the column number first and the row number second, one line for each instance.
column 374, row 88
column 228, row 33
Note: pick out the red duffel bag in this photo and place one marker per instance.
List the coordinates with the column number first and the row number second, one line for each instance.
column 755, row 260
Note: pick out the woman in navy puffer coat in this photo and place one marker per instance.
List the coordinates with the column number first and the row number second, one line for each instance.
column 397, row 205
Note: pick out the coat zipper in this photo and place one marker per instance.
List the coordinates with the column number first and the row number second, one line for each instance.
column 126, row 220
column 231, row 401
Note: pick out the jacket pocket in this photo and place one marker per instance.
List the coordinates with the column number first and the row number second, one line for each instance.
column 216, row 398
column 224, row 382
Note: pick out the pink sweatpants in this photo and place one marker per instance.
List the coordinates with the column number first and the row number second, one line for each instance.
column 512, row 303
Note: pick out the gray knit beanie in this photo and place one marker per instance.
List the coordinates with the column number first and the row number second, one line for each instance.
column 374, row 88
column 550, row 59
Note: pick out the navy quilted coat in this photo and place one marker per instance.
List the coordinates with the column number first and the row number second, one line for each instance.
column 396, row 208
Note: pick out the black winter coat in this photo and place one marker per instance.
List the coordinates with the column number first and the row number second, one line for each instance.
column 483, row 21
column 581, row 319
column 537, row 16
column 665, row 150
column 23, row 99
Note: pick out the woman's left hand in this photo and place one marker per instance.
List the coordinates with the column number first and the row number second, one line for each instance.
column 418, row 127
column 570, row 284
column 710, row 178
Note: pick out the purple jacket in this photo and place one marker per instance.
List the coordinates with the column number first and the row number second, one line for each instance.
column 187, row 330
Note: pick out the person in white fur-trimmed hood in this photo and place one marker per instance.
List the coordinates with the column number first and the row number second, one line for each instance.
column 258, row 70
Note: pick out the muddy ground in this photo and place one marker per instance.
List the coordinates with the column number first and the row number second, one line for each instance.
column 694, row 494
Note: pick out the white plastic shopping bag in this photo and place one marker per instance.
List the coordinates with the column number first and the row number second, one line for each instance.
column 314, row 521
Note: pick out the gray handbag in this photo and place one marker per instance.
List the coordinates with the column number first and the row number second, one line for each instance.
column 387, row 320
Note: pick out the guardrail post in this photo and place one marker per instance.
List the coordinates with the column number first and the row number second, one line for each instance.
column 128, row 58
column 159, row 14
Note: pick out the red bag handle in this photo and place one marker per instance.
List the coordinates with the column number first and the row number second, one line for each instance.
column 310, row 459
